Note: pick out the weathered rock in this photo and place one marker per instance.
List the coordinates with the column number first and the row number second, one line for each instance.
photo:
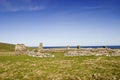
column 20, row 49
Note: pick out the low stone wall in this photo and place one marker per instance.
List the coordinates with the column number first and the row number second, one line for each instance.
column 73, row 52
column 38, row 54
column 115, row 52
column 95, row 52
column 58, row 50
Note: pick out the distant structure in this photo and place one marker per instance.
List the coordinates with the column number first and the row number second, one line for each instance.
column 40, row 48
column 104, row 46
column 39, row 52
column 78, row 46
column 68, row 47
column 20, row 49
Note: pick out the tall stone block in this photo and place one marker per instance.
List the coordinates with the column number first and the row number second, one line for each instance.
column 40, row 48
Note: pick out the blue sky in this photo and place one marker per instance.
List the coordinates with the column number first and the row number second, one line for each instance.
column 60, row 22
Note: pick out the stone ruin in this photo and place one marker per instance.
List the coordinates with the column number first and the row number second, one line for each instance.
column 38, row 54
column 94, row 52
column 40, row 48
column 20, row 49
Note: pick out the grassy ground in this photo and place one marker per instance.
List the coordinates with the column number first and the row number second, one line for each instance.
column 24, row 67
column 6, row 47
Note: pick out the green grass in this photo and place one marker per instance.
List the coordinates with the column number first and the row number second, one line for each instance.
column 24, row 67
column 5, row 47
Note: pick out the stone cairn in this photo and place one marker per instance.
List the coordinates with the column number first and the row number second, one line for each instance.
column 20, row 49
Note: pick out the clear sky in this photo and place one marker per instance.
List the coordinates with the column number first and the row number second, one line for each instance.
column 60, row 22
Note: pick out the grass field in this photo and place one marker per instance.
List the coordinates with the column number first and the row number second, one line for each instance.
column 6, row 47
column 24, row 67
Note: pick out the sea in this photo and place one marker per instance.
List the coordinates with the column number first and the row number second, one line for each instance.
column 112, row 47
